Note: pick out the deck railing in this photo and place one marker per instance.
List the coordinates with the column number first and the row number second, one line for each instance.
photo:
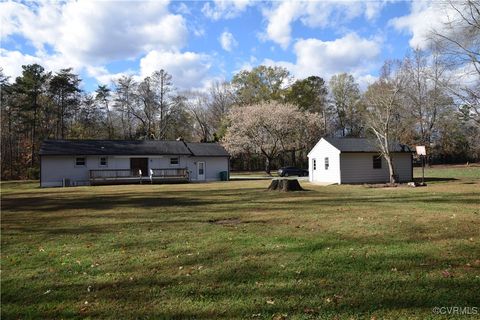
column 170, row 173
column 113, row 173
column 127, row 175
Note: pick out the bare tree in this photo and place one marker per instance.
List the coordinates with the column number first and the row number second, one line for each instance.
column 346, row 99
column 222, row 97
column 124, row 101
column 163, row 90
column 425, row 93
column 383, row 103
column 459, row 41
column 199, row 108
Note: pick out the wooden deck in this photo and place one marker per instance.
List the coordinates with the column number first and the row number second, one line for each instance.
column 127, row 176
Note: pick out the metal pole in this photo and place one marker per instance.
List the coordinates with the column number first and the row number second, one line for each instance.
column 423, row 169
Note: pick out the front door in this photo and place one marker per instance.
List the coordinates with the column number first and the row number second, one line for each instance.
column 200, row 170
column 137, row 164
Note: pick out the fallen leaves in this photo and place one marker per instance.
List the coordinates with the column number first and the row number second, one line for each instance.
column 447, row 274
column 335, row 299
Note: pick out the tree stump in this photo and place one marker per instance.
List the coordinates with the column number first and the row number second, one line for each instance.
column 285, row 185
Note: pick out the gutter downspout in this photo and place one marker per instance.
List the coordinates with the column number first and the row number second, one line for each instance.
column 40, row 170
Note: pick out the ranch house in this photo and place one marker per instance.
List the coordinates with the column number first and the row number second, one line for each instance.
column 94, row 162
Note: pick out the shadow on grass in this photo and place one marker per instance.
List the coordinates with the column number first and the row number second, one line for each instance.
column 205, row 198
column 434, row 179
column 238, row 284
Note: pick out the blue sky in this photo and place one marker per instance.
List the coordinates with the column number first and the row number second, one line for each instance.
column 200, row 42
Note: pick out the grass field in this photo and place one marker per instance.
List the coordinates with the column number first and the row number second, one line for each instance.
column 233, row 250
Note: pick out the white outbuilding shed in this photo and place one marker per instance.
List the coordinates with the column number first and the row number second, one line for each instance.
column 355, row 160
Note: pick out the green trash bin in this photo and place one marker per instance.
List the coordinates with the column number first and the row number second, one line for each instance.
column 223, row 175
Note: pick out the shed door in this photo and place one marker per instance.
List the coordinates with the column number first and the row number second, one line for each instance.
column 139, row 164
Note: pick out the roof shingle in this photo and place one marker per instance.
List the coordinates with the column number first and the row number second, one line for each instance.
column 129, row 147
column 207, row 149
column 363, row 145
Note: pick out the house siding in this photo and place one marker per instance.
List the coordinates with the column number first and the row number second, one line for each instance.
column 322, row 150
column 358, row 168
column 213, row 167
column 56, row 168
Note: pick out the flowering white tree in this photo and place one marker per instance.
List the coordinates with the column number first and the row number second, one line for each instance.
column 269, row 128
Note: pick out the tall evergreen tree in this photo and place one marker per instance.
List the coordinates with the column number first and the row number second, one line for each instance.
column 30, row 86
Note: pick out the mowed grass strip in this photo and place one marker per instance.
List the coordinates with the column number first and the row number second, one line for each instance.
column 234, row 250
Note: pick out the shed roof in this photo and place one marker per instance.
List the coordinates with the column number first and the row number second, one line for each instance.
column 363, row 145
column 129, row 147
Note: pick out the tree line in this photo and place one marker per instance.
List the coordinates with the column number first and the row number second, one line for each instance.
column 263, row 116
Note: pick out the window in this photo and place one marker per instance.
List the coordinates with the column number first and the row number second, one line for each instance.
column 103, row 162
column 80, row 161
column 174, row 161
column 314, row 164
column 377, row 162
column 326, row 164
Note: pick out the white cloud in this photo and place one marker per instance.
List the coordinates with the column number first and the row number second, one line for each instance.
column 227, row 41
column 86, row 35
column 225, row 9
column 314, row 14
column 38, row 24
column 103, row 76
column 12, row 60
column 424, row 17
column 279, row 21
column 364, row 80
column 183, row 9
column 188, row 69
column 350, row 53
column 94, row 32
column 373, row 8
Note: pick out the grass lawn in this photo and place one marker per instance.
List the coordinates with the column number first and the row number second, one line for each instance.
column 234, row 250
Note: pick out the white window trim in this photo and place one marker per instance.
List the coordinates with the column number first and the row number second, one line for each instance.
column 100, row 162
column 326, row 163
column 79, row 165
column 175, row 164
column 380, row 160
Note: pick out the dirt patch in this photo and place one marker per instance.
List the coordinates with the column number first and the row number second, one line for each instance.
column 447, row 166
column 381, row 185
column 230, row 221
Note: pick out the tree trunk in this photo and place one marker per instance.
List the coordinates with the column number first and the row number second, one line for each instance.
column 391, row 169
column 268, row 161
column 34, row 134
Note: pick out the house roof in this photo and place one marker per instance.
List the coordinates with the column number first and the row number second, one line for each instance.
column 129, row 147
column 363, row 145
column 207, row 149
